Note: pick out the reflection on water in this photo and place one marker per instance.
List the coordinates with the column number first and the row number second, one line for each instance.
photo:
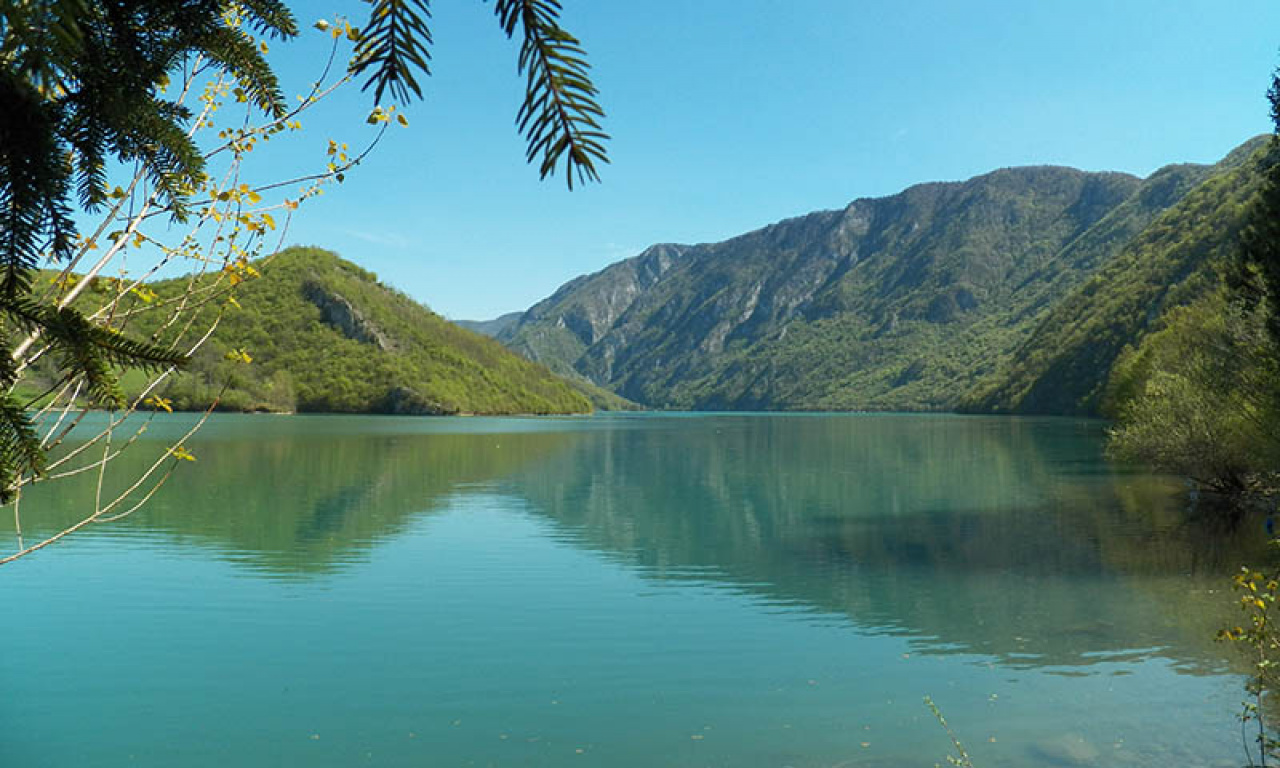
column 626, row 590
column 301, row 497
column 994, row 536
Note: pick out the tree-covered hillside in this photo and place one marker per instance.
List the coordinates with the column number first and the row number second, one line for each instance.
column 910, row 302
column 1064, row 367
column 325, row 335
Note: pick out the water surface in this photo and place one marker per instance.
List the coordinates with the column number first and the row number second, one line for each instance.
column 634, row 590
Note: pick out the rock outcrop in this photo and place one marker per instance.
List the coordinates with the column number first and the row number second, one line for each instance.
column 343, row 315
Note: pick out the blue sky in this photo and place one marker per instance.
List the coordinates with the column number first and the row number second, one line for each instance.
column 727, row 115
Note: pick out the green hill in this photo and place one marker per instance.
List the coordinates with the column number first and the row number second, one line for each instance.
column 911, row 302
column 1064, row 367
column 325, row 335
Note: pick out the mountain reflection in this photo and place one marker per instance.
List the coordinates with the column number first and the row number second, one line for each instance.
column 287, row 499
column 1010, row 538
column 1006, row 537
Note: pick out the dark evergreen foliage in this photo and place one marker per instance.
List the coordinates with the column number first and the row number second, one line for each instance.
column 80, row 87
column 393, row 44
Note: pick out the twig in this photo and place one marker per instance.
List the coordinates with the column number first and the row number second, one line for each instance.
column 963, row 760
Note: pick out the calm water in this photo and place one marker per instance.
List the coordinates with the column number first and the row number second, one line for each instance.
column 625, row 591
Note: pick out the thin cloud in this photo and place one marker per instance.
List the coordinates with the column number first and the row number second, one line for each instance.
column 386, row 239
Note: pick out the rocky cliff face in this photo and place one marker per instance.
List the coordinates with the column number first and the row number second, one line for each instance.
column 557, row 330
column 336, row 311
column 897, row 302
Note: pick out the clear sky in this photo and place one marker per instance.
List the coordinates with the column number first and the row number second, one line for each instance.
column 727, row 115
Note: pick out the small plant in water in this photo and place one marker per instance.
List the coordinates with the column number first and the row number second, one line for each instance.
column 1259, row 638
column 961, row 758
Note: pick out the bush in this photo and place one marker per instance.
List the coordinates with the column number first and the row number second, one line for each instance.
column 1199, row 398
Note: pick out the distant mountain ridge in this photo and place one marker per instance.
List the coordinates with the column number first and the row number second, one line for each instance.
column 492, row 327
column 916, row 301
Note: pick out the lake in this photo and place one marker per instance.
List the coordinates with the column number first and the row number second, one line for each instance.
column 625, row 590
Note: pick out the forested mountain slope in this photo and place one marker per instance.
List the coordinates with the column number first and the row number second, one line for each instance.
column 325, row 335
column 912, row 301
column 1063, row 368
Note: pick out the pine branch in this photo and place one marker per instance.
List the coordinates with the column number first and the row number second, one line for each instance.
column 86, row 349
column 392, row 46
column 234, row 50
column 80, row 86
column 20, row 451
column 271, row 17
column 34, row 182
column 560, row 117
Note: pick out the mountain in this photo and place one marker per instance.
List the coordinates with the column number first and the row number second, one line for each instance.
column 600, row 397
column 325, row 335
column 492, row 327
column 1064, row 367
column 909, row 302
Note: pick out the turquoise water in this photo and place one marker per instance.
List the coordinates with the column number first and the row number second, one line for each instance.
column 636, row 590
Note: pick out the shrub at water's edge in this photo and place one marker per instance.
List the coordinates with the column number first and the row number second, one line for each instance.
column 1199, row 398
